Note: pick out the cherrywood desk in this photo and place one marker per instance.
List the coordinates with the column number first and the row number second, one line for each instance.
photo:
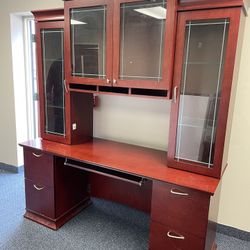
column 179, row 202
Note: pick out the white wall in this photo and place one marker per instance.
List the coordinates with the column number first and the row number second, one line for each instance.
column 8, row 132
column 134, row 120
column 235, row 198
column 18, row 63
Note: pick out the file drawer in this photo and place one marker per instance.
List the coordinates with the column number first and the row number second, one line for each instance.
column 180, row 207
column 168, row 238
column 40, row 199
column 39, row 167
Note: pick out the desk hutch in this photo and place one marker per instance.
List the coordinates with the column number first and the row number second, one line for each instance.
column 182, row 50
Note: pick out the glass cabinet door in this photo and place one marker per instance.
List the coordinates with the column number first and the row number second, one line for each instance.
column 141, row 39
column 200, row 90
column 200, row 65
column 90, row 41
column 53, row 80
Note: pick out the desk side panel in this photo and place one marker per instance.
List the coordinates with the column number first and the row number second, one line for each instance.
column 70, row 187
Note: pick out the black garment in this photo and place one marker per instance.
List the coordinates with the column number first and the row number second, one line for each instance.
column 55, row 98
column 54, row 84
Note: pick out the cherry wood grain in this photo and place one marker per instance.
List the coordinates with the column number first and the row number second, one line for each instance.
column 233, row 14
column 39, row 167
column 68, row 53
column 68, row 183
column 40, row 80
column 208, row 4
column 168, row 55
column 145, row 162
column 40, row 201
column 132, row 195
column 51, row 188
column 120, row 94
column 187, row 212
column 56, row 224
column 80, row 112
column 159, row 239
column 48, row 15
column 78, row 106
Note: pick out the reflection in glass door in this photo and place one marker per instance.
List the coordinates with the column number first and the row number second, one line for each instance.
column 142, row 39
column 53, row 79
column 200, row 90
column 88, row 42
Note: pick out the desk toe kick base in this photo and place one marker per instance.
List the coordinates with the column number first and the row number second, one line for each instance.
column 60, row 221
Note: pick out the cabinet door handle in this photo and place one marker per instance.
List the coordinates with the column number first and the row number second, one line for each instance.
column 108, row 81
column 114, row 81
column 65, row 86
column 38, row 156
column 37, row 188
column 175, row 94
column 175, row 236
column 173, row 191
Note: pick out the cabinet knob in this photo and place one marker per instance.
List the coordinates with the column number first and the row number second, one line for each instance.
column 108, row 81
column 114, row 81
column 174, row 235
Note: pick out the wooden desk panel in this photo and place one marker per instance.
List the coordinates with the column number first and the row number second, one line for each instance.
column 145, row 162
column 138, row 197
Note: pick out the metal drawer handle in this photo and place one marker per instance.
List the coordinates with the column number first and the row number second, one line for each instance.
column 175, row 236
column 178, row 193
column 37, row 188
column 175, row 94
column 36, row 155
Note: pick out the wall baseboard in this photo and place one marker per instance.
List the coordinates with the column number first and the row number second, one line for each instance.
column 233, row 232
column 10, row 168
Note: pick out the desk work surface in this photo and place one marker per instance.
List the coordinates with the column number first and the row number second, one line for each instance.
column 141, row 161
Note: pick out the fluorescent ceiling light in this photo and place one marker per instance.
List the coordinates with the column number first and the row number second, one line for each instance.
column 155, row 12
column 75, row 22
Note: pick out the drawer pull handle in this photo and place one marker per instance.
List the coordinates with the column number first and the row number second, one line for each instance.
column 37, row 188
column 175, row 236
column 36, row 155
column 173, row 191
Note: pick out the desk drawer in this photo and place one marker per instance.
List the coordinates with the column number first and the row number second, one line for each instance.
column 180, row 207
column 39, row 199
column 39, row 167
column 165, row 237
